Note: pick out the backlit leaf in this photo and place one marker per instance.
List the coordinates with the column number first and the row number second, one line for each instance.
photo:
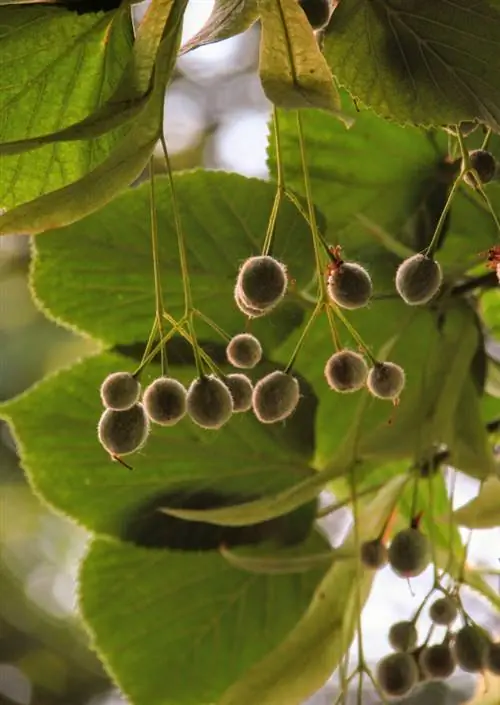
column 227, row 19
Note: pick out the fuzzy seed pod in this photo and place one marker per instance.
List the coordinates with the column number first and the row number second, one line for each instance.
column 123, row 432
column 403, row 636
column 275, row 397
column 120, row 391
column 209, row 402
column 244, row 351
column 397, row 674
column 386, row 380
column 409, row 553
column 493, row 658
column 317, row 12
column 373, row 554
column 471, row 648
column 262, row 282
column 484, row 163
column 165, row 401
column 443, row 611
column 350, row 286
column 346, row 371
column 241, row 390
column 248, row 311
column 418, row 279
column 437, row 661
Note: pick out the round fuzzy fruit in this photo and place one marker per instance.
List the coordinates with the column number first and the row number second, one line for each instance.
column 418, row 279
column 484, row 163
column 373, row 554
column 245, row 308
column 241, row 390
column 165, row 401
column 471, row 648
column 262, row 281
column 123, row 432
column 346, row 371
column 443, row 611
column 209, row 402
column 403, row 636
column 349, row 285
column 386, row 380
column 317, row 12
column 493, row 658
column 437, row 661
column 397, row 674
column 275, row 397
column 120, row 391
column 409, row 553
column 244, row 351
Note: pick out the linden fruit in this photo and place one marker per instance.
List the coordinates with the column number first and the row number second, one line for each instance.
column 373, row 554
column 123, row 432
column 397, row 674
column 443, row 611
column 262, row 282
column 120, row 391
column 275, row 397
column 165, row 401
column 484, row 163
column 386, row 380
column 437, row 661
column 403, row 636
column 349, row 285
column 244, row 351
column 241, row 390
column 418, row 279
column 493, row 658
column 209, row 402
column 346, row 371
column 471, row 648
column 409, row 553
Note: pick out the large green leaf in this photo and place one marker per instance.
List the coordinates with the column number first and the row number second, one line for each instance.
column 109, row 254
column 432, row 63
column 228, row 18
column 55, row 425
column 178, row 629
column 161, row 35
column 57, row 68
column 309, row 654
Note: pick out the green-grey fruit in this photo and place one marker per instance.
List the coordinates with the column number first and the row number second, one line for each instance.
column 471, row 648
column 244, row 351
column 409, row 553
column 373, row 554
column 443, row 611
column 346, row 371
column 275, row 397
column 350, row 286
column 418, row 279
column 386, row 380
column 484, row 163
column 120, row 391
column 209, row 402
column 123, row 432
column 317, row 12
column 165, row 401
column 437, row 661
column 403, row 636
column 262, row 282
column 397, row 674
column 241, row 389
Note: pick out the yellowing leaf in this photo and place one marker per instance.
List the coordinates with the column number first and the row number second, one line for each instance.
column 482, row 512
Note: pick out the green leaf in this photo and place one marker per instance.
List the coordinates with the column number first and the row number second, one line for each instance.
column 109, row 253
column 293, row 71
column 286, row 562
column 482, row 512
column 74, row 474
column 58, row 68
column 431, row 63
column 227, row 19
column 101, row 184
column 309, row 654
column 157, row 616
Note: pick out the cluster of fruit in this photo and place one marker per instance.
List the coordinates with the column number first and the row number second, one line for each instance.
column 469, row 647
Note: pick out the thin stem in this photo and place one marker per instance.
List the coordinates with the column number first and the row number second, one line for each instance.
column 303, row 335
column 280, row 186
column 156, row 265
column 440, row 224
column 146, row 360
column 343, row 503
column 151, row 339
column 432, row 527
column 486, row 139
column 357, row 542
column 212, row 324
column 333, row 329
column 354, row 333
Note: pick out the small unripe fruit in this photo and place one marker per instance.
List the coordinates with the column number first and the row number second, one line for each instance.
column 346, row 371
column 275, row 397
column 418, row 279
column 397, row 674
column 386, row 380
column 350, row 285
column 374, row 554
column 409, row 553
column 493, row 658
column 437, row 661
column 241, row 390
column 209, row 402
column 443, row 611
column 484, row 163
column 120, row 391
column 403, row 636
column 471, row 648
column 249, row 311
column 244, row 351
column 123, row 432
column 262, row 282
column 165, row 401
column 317, row 12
